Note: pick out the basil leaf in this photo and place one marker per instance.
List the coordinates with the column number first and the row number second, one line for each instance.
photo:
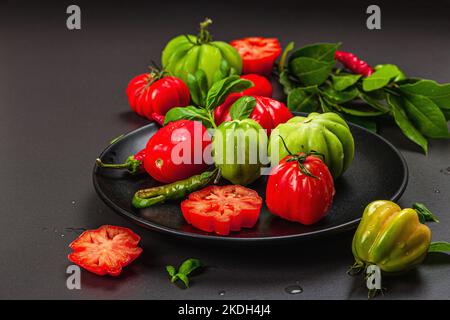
column 171, row 270
column 425, row 115
column 424, row 214
column 372, row 101
column 381, row 77
column 188, row 266
column 188, row 113
column 312, row 64
column 242, row 108
column 439, row 93
column 344, row 81
column 399, row 77
column 311, row 71
column 221, row 89
column 198, row 86
column 439, row 246
column 340, row 96
column 183, row 278
column 362, row 111
column 363, row 122
column 286, row 82
column 324, row 105
column 404, row 124
column 303, row 99
column 317, row 51
column 184, row 270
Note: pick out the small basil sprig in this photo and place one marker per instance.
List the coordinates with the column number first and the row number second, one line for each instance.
column 420, row 107
column 242, row 108
column 209, row 100
column 424, row 213
column 184, row 270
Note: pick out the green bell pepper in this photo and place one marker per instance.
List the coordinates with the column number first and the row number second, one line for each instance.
column 393, row 239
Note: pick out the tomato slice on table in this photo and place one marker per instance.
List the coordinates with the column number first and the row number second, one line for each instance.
column 222, row 209
column 105, row 250
column 258, row 54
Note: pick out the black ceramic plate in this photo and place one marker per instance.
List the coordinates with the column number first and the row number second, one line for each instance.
column 378, row 171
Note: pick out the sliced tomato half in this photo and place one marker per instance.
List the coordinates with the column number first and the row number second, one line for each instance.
column 105, row 250
column 258, row 54
column 222, row 209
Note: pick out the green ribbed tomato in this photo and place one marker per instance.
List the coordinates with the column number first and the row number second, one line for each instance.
column 326, row 133
column 238, row 148
column 187, row 54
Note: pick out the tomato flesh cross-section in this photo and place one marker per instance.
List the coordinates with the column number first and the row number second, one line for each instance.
column 105, row 250
column 222, row 209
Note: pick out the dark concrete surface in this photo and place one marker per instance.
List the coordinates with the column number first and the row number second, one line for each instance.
column 62, row 100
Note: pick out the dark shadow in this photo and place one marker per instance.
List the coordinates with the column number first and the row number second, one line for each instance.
column 437, row 258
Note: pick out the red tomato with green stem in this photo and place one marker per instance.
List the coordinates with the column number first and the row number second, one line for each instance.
column 165, row 158
column 222, row 209
column 306, row 181
column 268, row 112
column 153, row 94
column 258, row 54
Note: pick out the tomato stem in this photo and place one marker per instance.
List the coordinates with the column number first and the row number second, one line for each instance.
column 204, row 36
column 301, row 158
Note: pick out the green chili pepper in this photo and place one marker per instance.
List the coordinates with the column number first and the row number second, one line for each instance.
column 177, row 190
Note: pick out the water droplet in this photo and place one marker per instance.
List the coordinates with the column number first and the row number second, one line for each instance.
column 55, row 230
column 446, row 171
column 437, row 191
column 221, row 292
column 62, row 236
column 73, row 202
column 294, row 289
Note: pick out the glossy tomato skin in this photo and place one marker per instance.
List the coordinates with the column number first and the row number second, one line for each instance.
column 268, row 112
column 158, row 161
column 222, row 209
column 294, row 196
column 261, row 86
column 146, row 98
column 258, row 54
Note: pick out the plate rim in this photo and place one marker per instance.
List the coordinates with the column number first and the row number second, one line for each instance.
column 210, row 237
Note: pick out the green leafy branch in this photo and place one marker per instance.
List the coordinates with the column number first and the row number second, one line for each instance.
column 420, row 107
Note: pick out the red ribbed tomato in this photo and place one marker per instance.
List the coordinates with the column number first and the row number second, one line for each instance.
column 300, row 188
column 153, row 94
column 258, row 54
column 268, row 112
column 261, row 86
column 166, row 149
